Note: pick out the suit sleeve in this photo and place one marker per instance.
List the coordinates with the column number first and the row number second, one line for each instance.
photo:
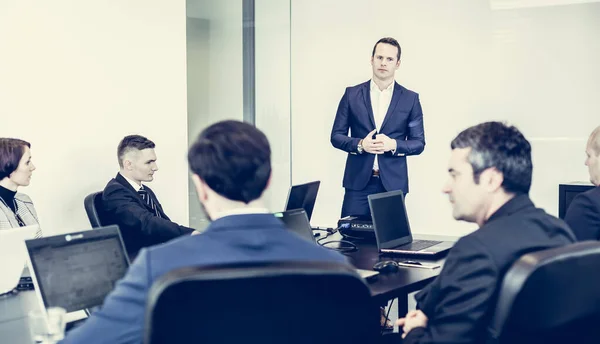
column 121, row 318
column 583, row 216
column 341, row 125
column 414, row 143
column 466, row 285
column 129, row 212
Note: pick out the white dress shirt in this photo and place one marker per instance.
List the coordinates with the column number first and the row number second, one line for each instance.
column 380, row 103
column 134, row 185
column 241, row 211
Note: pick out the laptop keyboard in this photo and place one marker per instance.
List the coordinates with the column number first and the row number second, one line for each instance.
column 417, row 245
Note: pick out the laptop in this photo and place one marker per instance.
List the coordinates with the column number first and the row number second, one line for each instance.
column 392, row 230
column 13, row 255
column 303, row 196
column 297, row 222
column 77, row 270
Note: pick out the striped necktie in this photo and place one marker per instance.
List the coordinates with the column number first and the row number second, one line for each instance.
column 148, row 199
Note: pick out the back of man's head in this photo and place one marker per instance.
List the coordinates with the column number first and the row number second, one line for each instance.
column 130, row 143
column 503, row 147
column 233, row 158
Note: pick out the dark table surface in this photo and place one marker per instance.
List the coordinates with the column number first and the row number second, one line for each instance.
column 384, row 287
column 389, row 286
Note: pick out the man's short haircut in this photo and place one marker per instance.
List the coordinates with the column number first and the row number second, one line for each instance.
column 11, row 152
column 503, row 147
column 594, row 140
column 390, row 41
column 132, row 142
column 233, row 158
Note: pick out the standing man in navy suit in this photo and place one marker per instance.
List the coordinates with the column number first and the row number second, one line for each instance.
column 386, row 124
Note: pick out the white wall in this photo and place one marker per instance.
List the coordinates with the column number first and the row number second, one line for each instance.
column 535, row 67
column 77, row 76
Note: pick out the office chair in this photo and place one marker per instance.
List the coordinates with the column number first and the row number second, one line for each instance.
column 262, row 303
column 550, row 296
column 95, row 209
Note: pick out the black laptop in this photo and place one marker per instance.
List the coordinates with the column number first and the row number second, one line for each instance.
column 303, row 196
column 77, row 270
column 392, row 230
column 296, row 221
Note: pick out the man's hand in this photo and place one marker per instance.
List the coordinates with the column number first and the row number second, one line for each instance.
column 411, row 320
column 373, row 146
column 388, row 144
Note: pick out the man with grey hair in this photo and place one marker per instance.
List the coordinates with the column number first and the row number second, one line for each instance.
column 489, row 180
column 133, row 206
column 583, row 214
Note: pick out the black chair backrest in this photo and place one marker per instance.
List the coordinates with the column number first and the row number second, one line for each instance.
column 262, row 303
column 550, row 296
column 95, row 209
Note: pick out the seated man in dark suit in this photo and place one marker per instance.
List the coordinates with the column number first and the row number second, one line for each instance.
column 583, row 214
column 133, row 206
column 231, row 166
column 490, row 175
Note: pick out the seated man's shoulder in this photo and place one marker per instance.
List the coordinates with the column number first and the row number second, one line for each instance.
column 591, row 196
column 113, row 189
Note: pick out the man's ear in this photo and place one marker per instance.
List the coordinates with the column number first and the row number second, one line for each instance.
column 127, row 164
column 492, row 179
column 200, row 187
column 269, row 180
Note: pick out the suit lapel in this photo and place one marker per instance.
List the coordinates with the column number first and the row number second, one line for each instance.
column 395, row 98
column 119, row 178
column 367, row 97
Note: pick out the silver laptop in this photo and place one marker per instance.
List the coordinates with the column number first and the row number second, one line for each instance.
column 13, row 255
column 297, row 222
column 76, row 271
column 392, row 230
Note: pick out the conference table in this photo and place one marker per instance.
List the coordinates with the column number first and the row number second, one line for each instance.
column 384, row 287
column 397, row 285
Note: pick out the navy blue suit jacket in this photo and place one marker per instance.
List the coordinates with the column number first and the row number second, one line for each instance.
column 228, row 240
column 583, row 215
column 139, row 226
column 403, row 122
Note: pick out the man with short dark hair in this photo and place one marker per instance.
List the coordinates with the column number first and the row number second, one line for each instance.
column 583, row 214
column 132, row 205
column 385, row 121
column 231, row 166
column 490, row 176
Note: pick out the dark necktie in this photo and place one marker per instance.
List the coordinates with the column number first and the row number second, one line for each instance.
column 148, row 199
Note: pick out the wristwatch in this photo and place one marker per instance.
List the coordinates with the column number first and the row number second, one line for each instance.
column 360, row 148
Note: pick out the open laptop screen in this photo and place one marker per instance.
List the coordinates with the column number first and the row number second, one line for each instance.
column 77, row 270
column 303, row 196
column 297, row 222
column 389, row 219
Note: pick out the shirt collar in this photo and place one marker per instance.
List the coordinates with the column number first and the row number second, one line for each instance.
column 241, row 211
column 374, row 86
column 134, row 185
column 245, row 222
